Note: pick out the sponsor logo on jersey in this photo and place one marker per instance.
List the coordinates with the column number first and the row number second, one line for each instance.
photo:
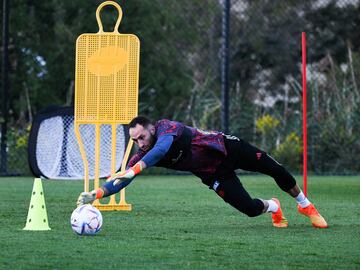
column 231, row 137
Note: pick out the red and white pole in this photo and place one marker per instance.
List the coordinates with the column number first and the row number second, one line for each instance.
column 303, row 50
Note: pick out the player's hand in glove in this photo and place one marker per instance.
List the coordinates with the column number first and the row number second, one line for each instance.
column 89, row 197
column 129, row 174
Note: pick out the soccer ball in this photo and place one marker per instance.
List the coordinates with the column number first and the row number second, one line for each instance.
column 86, row 220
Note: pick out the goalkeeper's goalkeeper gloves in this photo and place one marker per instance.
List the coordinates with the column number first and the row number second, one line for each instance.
column 129, row 174
column 89, row 197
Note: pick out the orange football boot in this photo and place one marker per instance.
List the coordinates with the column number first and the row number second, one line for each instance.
column 316, row 219
column 278, row 218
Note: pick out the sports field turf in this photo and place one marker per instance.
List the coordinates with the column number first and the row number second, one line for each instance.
column 177, row 223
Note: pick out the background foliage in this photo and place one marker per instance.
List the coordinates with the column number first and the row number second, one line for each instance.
column 180, row 69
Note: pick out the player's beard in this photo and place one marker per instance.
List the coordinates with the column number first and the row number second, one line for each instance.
column 151, row 144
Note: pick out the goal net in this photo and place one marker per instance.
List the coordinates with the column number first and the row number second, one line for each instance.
column 54, row 151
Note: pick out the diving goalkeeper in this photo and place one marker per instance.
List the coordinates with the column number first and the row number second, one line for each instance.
column 213, row 157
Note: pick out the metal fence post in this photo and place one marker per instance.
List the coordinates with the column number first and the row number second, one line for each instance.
column 225, row 67
column 4, row 83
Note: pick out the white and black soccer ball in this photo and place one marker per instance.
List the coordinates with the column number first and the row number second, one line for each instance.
column 86, row 220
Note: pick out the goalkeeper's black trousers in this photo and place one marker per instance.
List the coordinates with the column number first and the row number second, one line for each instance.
column 242, row 155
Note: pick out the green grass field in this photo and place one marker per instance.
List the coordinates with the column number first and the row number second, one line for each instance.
column 177, row 223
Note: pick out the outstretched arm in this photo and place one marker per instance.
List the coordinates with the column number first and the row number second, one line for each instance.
column 118, row 181
column 159, row 150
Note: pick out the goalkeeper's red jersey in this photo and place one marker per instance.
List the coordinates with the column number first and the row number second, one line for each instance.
column 207, row 147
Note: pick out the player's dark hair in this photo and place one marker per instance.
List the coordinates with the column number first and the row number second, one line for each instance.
column 141, row 120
